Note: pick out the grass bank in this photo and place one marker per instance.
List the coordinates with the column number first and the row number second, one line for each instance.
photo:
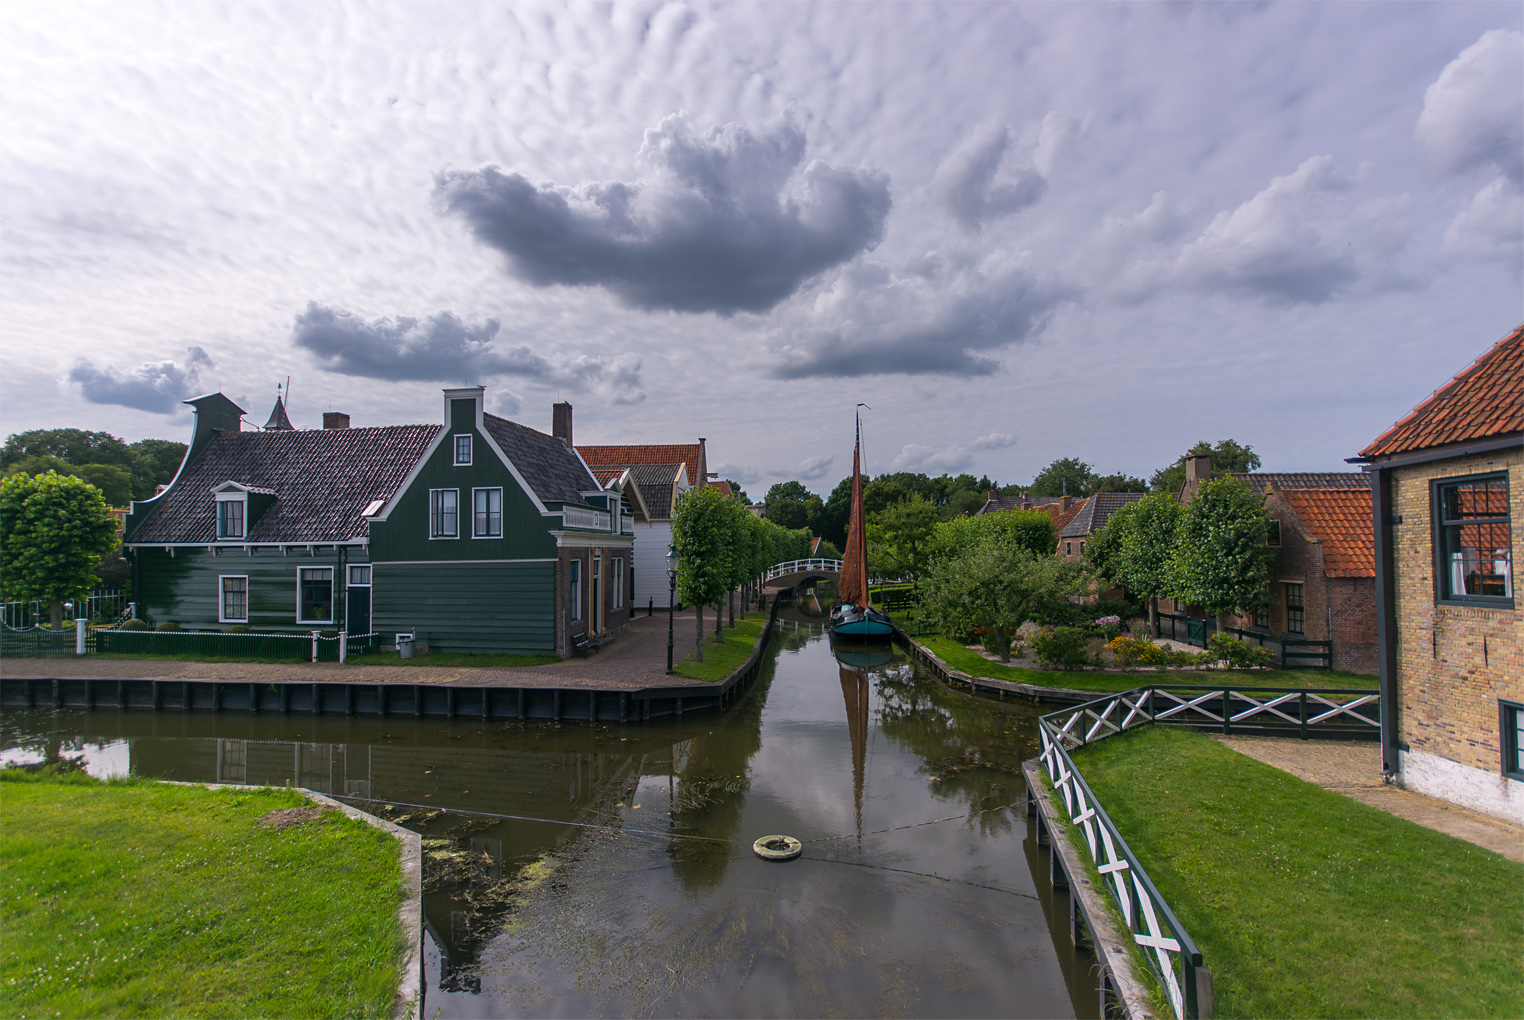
column 132, row 898
column 974, row 664
column 1306, row 903
column 720, row 660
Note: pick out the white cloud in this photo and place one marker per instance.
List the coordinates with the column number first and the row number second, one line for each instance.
column 814, row 468
column 1492, row 225
column 1473, row 114
column 948, row 460
column 970, row 183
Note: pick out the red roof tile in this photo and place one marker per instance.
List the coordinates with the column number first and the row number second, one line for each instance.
column 1484, row 401
column 689, row 454
column 1341, row 520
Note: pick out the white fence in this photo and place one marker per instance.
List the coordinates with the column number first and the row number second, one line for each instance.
column 802, row 566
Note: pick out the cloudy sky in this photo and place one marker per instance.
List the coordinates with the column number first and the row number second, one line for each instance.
column 1017, row 232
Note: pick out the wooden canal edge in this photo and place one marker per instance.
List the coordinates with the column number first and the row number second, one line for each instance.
column 928, row 660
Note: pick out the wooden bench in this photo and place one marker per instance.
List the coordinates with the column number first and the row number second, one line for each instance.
column 584, row 643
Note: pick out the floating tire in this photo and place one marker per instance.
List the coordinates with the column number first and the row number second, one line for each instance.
column 777, row 848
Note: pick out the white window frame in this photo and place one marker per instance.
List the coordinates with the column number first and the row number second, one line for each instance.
column 349, row 575
column 332, row 595
column 242, row 499
column 574, row 587
column 222, row 601
column 455, row 449
column 434, row 516
column 487, row 488
column 618, row 581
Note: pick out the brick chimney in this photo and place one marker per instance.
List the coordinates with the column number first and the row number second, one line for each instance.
column 994, row 495
column 561, row 422
column 335, row 420
column 1065, row 501
column 1198, row 468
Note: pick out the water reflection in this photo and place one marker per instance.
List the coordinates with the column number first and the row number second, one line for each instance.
column 625, row 885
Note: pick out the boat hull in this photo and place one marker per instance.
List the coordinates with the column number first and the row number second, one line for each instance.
column 855, row 624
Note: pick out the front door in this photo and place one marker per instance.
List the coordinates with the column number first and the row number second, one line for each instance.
column 357, row 604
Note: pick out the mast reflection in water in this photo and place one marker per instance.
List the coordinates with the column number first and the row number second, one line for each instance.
column 634, row 891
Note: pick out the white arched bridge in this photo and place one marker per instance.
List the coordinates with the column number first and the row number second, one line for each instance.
column 796, row 572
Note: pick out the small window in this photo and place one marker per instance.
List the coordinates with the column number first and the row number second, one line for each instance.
column 1262, row 617
column 1474, row 540
column 1273, row 534
column 1068, row 548
column 1295, row 609
column 488, row 513
column 576, row 589
column 235, row 600
column 1511, row 729
column 359, row 576
column 314, row 595
column 618, row 568
column 230, row 518
column 1082, row 547
column 444, row 513
column 463, row 451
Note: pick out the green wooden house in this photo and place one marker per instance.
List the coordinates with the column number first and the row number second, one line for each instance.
column 478, row 534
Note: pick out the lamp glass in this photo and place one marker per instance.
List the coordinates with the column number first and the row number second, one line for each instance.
column 671, row 561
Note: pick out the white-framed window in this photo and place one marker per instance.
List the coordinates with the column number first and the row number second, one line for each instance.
column 463, row 451
column 314, row 594
column 576, row 589
column 618, row 569
column 444, row 513
column 359, row 575
column 233, row 602
column 231, row 517
column 487, row 513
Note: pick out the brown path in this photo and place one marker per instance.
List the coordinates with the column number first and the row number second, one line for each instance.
column 635, row 660
column 1354, row 769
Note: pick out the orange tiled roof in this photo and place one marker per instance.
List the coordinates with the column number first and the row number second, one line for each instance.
column 1341, row 520
column 1061, row 517
column 607, row 475
column 724, row 487
column 671, row 453
column 1484, row 401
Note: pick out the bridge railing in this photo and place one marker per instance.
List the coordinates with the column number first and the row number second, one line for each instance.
column 802, row 566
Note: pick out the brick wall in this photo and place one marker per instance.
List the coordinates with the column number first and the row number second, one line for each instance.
column 1454, row 663
column 1353, row 601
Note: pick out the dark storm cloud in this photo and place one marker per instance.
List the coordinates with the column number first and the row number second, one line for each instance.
column 440, row 348
column 969, row 184
column 157, row 386
column 727, row 222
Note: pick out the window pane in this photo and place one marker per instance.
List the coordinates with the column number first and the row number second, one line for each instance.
column 1475, row 499
column 1479, row 560
column 1518, row 739
column 1295, row 609
column 235, row 598
column 316, row 595
column 488, row 513
column 462, row 449
column 230, row 518
column 359, row 575
column 442, row 523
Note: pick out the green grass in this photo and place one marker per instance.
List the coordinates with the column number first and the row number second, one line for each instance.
column 445, row 659
column 974, row 664
column 130, row 899
column 1306, row 903
column 722, row 660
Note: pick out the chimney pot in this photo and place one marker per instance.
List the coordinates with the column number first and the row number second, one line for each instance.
column 561, row 422
column 1198, row 468
column 335, row 420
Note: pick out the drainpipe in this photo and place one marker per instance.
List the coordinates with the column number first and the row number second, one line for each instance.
column 1383, row 524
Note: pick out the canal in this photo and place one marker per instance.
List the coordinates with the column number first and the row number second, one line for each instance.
column 624, row 883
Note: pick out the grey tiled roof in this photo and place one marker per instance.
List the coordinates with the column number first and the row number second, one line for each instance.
column 656, row 482
column 1014, row 503
column 1092, row 517
column 551, row 468
column 321, row 479
column 1308, row 480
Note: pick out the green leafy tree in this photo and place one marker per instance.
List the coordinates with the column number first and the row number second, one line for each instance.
column 74, row 446
column 1117, row 483
column 702, row 531
column 998, row 585
column 1221, row 559
column 1148, row 532
column 790, row 505
column 1031, row 530
column 115, row 483
column 964, row 502
column 1228, row 457
column 54, row 529
column 1067, row 475
column 831, row 523
column 736, row 491
column 900, row 538
column 161, row 458
column 882, row 493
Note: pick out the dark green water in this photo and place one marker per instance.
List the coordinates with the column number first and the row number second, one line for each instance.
column 653, row 903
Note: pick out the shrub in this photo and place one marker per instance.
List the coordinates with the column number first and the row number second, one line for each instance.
column 133, row 625
column 1132, row 652
column 1109, row 626
column 168, row 625
column 1189, row 660
column 1063, row 647
column 237, row 628
column 1237, row 654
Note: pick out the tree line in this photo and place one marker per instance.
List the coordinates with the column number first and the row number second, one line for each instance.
column 121, row 471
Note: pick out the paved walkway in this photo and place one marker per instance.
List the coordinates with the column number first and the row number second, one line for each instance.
column 1354, row 769
column 635, row 660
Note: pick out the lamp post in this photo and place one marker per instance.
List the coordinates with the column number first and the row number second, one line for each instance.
column 671, row 597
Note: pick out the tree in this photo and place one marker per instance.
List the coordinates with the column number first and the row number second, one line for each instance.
column 963, row 502
column 148, row 462
column 1031, row 530
column 789, row 504
column 1221, row 557
column 702, row 526
column 1068, row 475
column 1117, row 483
column 999, row 585
column 881, row 493
column 1228, row 457
column 1147, row 532
column 161, row 458
column 75, row 446
column 738, row 492
column 831, row 523
column 901, row 537
column 54, row 529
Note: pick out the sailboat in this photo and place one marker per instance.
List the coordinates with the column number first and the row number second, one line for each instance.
column 855, row 618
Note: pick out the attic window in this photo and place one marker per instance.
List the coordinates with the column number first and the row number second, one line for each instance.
column 231, row 514
column 463, row 451
column 373, row 507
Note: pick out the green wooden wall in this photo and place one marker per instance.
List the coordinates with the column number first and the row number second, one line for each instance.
column 477, row 607
column 185, row 588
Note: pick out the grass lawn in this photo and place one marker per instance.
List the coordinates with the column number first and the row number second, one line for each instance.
column 974, row 664
column 721, row 660
column 1306, row 903
column 141, row 899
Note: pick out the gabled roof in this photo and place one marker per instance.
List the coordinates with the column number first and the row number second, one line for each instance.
column 321, row 479
column 658, row 487
column 1307, row 480
column 1015, row 503
column 1485, row 401
column 550, row 467
column 689, row 454
column 724, row 487
column 1091, row 515
column 1341, row 520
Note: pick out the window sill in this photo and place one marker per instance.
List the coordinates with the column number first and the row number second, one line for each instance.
column 1479, row 602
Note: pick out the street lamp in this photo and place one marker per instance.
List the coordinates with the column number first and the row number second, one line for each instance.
column 671, row 596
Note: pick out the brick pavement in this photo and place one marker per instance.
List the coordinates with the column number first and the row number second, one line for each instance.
column 635, row 660
column 1354, row 770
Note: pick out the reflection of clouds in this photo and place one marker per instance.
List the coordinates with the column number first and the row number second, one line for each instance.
column 111, row 760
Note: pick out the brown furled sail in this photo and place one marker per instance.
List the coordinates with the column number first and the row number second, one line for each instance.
column 853, row 587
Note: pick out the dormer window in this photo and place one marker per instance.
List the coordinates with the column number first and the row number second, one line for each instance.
column 231, row 515
column 463, row 451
